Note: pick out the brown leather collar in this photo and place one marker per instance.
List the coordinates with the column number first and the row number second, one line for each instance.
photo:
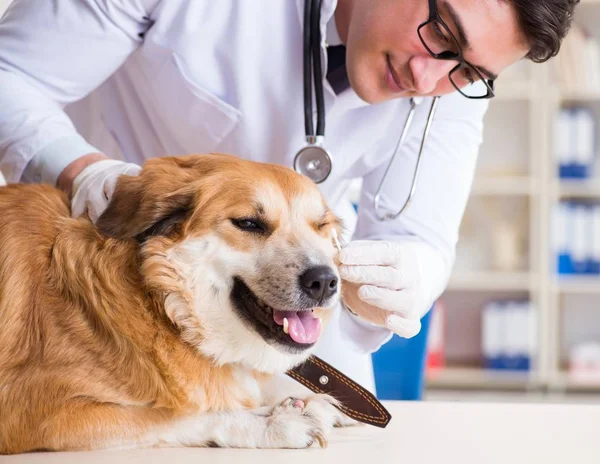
column 356, row 402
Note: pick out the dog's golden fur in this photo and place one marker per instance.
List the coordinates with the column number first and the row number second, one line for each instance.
column 92, row 354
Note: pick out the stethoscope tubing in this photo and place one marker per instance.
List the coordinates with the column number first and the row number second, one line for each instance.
column 312, row 62
column 376, row 201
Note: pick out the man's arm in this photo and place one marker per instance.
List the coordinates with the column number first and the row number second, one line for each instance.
column 68, row 174
column 53, row 53
column 428, row 229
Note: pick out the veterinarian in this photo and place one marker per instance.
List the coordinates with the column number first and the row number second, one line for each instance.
column 90, row 89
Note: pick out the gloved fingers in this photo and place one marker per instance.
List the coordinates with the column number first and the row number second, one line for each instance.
column 77, row 206
column 109, row 185
column 94, row 186
column 405, row 328
column 113, row 174
column 94, row 211
column 361, row 252
column 400, row 301
column 97, row 202
column 380, row 276
column 80, row 201
column 90, row 197
column 94, row 205
column 132, row 169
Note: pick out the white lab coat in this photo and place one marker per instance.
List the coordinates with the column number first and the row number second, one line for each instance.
column 168, row 77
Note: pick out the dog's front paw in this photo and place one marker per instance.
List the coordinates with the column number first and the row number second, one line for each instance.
column 298, row 423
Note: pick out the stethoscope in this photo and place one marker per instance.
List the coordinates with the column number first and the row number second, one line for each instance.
column 313, row 160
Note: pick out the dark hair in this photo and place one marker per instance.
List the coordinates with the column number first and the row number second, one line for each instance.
column 545, row 23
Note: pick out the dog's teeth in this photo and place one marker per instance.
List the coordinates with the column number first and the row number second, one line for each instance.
column 285, row 325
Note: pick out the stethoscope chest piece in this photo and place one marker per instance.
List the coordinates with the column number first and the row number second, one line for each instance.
column 313, row 160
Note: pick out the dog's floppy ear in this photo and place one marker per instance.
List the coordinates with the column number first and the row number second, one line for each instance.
column 156, row 202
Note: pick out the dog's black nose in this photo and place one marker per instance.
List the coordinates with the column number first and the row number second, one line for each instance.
column 319, row 282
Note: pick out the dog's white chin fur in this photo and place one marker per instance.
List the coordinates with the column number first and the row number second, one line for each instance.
column 207, row 266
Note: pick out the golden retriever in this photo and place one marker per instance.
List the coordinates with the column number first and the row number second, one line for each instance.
column 205, row 276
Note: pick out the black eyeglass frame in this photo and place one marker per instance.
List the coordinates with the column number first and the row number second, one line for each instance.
column 449, row 55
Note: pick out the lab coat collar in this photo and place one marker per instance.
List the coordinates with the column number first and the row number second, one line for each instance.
column 332, row 37
column 327, row 10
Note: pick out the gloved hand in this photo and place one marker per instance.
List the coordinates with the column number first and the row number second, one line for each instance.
column 94, row 186
column 391, row 284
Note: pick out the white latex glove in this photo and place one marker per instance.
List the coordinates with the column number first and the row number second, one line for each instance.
column 392, row 284
column 94, row 186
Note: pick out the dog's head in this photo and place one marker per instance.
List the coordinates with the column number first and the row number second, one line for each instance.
column 240, row 251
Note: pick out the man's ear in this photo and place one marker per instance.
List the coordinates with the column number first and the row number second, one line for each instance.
column 156, row 202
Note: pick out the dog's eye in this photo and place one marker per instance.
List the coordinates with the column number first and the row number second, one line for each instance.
column 249, row 225
column 322, row 225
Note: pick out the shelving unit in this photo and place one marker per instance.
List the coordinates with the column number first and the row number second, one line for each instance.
column 577, row 189
column 533, row 97
column 493, row 281
column 514, row 185
column 581, row 285
column 481, row 379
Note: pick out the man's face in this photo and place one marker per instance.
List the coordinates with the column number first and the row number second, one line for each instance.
column 383, row 33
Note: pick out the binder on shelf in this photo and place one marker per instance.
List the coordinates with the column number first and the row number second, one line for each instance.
column 531, row 330
column 589, row 239
column 575, row 142
column 508, row 335
column 584, row 142
column 563, row 238
column 580, row 238
column 512, row 332
column 492, row 335
column 576, row 238
column 595, row 240
column 562, row 138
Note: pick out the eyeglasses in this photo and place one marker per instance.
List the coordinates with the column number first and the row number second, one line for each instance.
column 442, row 45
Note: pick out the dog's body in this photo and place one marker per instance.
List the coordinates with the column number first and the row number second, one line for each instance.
column 158, row 327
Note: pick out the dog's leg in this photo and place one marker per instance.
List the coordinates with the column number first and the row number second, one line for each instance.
column 294, row 423
column 85, row 426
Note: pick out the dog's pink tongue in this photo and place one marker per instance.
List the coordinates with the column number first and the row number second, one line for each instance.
column 303, row 326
